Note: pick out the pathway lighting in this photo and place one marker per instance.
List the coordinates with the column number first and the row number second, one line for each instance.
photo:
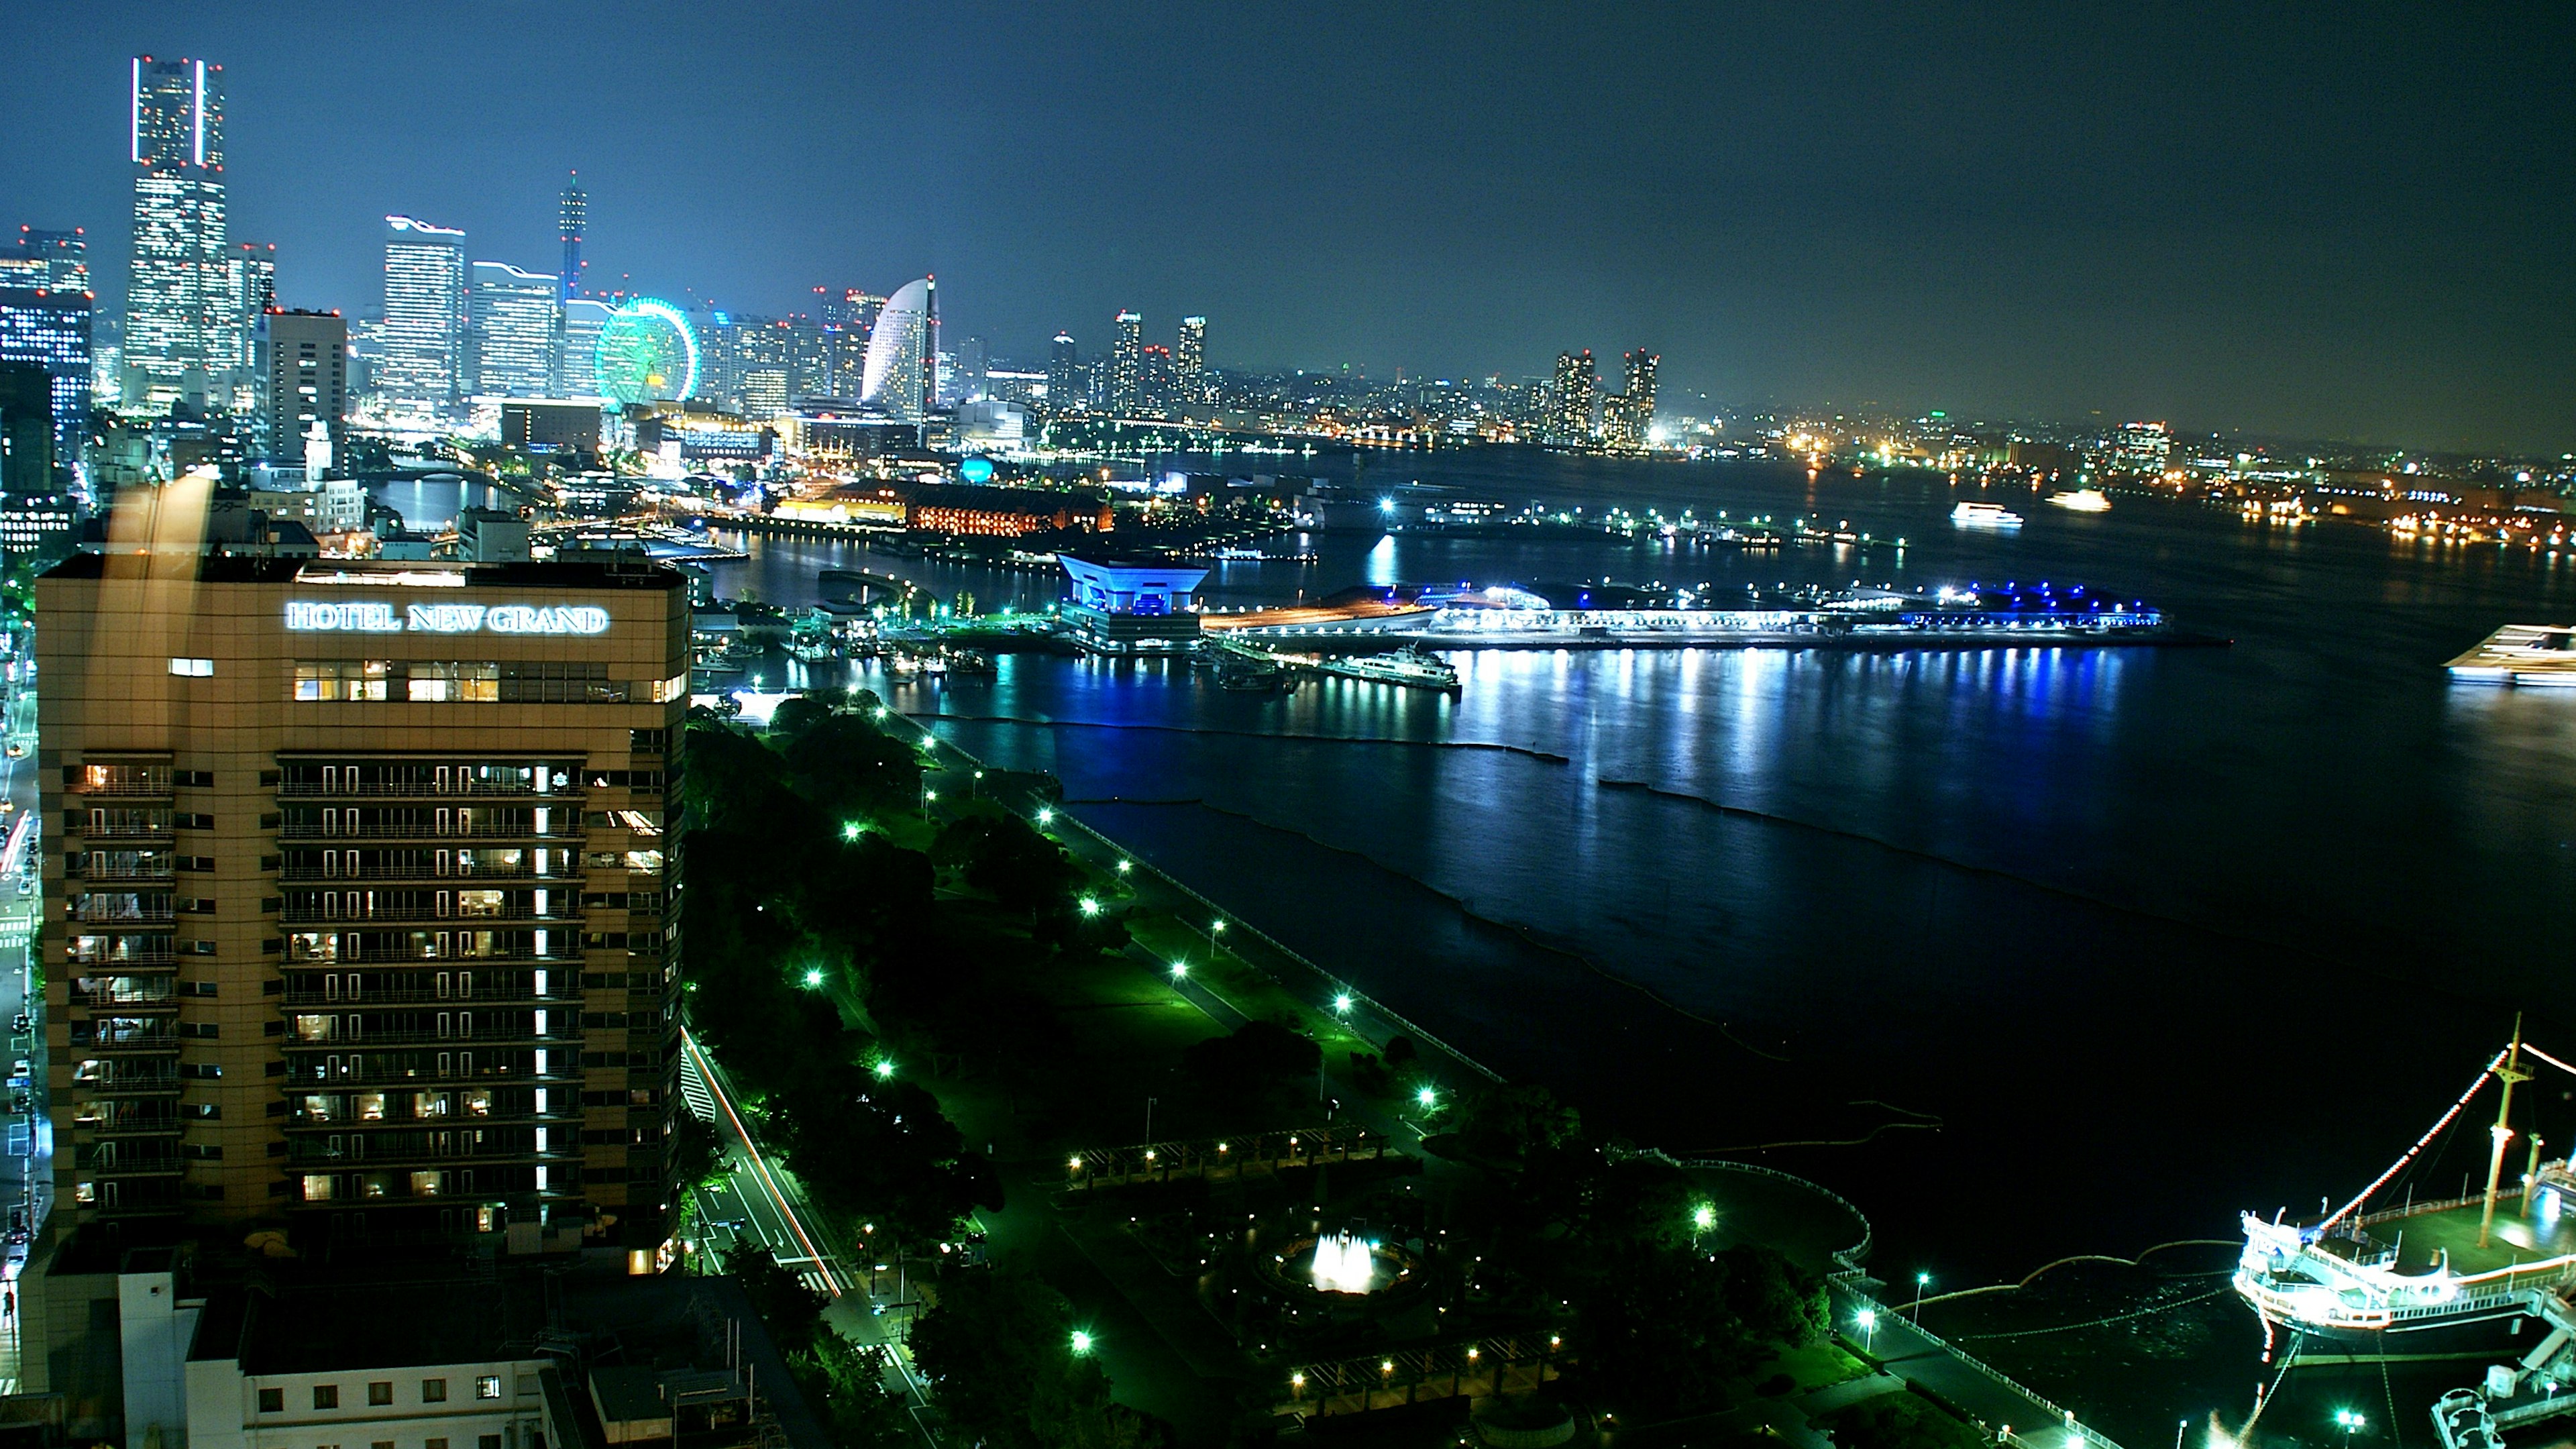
column 1090, row 906
column 1342, row 1004
column 813, row 978
column 1704, row 1217
column 884, row 1069
column 853, row 830
column 1427, row 1097
column 1180, row 970
column 1081, row 1341
column 1045, row 816
column 1125, row 866
column 1867, row 1318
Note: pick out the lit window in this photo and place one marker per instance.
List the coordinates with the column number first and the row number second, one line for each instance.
column 193, row 668
column 488, row 1386
column 317, row 1187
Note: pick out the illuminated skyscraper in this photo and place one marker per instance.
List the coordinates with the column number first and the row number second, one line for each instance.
column 517, row 320
column 425, row 316
column 972, row 363
column 250, row 275
column 1064, row 376
column 1569, row 411
column 303, row 364
column 576, row 369
column 1189, row 363
column 182, row 323
column 848, row 321
column 1625, row 418
column 572, row 217
column 47, row 261
column 51, row 330
column 901, row 378
column 1127, row 364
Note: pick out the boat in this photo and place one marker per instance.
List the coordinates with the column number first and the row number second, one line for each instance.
column 971, row 661
column 2438, row 1276
column 1984, row 515
column 1411, row 666
column 1248, row 677
column 2081, row 500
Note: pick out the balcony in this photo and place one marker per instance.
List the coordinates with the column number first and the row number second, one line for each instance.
column 571, row 916
column 485, row 1035
column 126, row 1076
column 426, row 872
column 568, row 828
column 124, row 952
column 429, row 789
column 302, row 997
column 127, row 1118
column 118, row 1158
column 570, row 952
column 160, row 995
column 313, row 1071
column 146, row 916
column 156, row 1034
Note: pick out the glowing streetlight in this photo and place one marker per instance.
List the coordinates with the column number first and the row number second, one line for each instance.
column 813, row 978
column 878, row 715
column 1342, row 1004
column 1180, row 970
column 884, row 1069
column 1428, row 1098
column 1045, row 816
column 852, row 830
column 1090, row 905
column 1125, row 866
column 1703, row 1218
column 1868, row 1321
column 2348, row 1420
column 1081, row 1341
column 1922, row 1283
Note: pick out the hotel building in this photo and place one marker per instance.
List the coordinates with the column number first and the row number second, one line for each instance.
column 359, row 912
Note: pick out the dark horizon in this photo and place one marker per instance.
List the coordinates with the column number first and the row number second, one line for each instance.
column 2236, row 221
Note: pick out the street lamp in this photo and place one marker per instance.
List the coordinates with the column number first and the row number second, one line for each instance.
column 884, row 1069
column 1342, row 1004
column 1081, row 1341
column 1868, row 1321
column 1125, row 866
column 1180, row 970
column 1090, row 905
column 2348, row 1420
column 1703, row 1218
column 1922, row 1282
column 1045, row 816
column 1428, row 1098
column 813, row 978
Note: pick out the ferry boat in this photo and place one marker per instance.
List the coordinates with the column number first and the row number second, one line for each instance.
column 2437, row 1277
column 1411, row 665
column 2081, row 500
column 1984, row 515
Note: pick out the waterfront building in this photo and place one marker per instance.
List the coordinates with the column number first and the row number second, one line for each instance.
column 425, row 313
column 517, row 331
column 1127, row 365
column 572, row 220
column 414, row 819
column 47, row 261
column 1131, row 606
column 2140, row 450
column 1626, row 417
column 50, row 330
column 303, row 371
column 182, row 315
column 900, row 379
column 1569, row 418
column 547, row 427
column 1064, row 383
column 986, row 511
column 1189, row 363
column 576, row 372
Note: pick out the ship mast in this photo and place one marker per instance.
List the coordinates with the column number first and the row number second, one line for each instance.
column 2508, row 1073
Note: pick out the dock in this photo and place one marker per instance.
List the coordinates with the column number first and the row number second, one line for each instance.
column 2521, row 656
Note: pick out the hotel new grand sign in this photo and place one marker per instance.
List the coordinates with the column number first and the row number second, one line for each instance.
column 371, row 617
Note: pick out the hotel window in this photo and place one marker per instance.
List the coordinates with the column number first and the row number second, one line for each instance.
column 326, row 1396
column 380, row 1393
column 193, row 668
column 342, row 679
column 469, row 681
column 433, row 1391
column 488, row 1386
column 272, row 1401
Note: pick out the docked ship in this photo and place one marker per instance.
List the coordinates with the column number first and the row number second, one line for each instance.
column 1984, row 515
column 1411, row 666
column 2445, row 1277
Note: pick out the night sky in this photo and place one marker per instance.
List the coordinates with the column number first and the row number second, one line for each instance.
column 2327, row 224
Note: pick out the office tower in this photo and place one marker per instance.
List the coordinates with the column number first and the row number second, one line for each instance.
column 303, row 368
column 517, row 322
column 572, row 219
column 414, row 819
column 576, row 375
column 1189, row 363
column 1155, row 391
column 1626, row 417
column 1570, row 399
column 848, row 322
column 51, row 331
column 972, row 364
column 47, row 261
column 2141, row 450
column 26, row 428
column 182, row 321
column 425, row 313
column 809, row 357
column 250, row 276
column 1126, row 364
column 1064, row 376
column 900, row 378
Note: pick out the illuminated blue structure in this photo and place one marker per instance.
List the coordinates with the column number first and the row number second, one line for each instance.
column 1123, row 606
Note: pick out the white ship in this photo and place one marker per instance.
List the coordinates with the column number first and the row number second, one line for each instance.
column 1984, row 515
column 1412, row 666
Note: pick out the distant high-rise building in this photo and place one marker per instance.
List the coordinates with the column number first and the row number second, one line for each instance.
column 1625, row 418
column 303, row 367
column 51, row 330
column 1064, row 376
column 182, row 320
column 1127, row 364
column 809, row 357
column 848, row 321
column 425, row 313
column 576, row 375
column 1156, row 389
column 2141, row 450
column 1569, row 414
column 250, row 275
column 572, row 218
column 26, row 429
column 46, row 261
column 1189, row 362
column 517, row 321
column 901, row 376
column 972, row 364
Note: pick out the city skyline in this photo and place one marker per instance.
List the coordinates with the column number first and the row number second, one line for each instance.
column 1935, row 234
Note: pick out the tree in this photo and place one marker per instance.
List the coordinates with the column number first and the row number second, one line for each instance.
column 1512, row 1122
column 1003, row 855
column 1252, row 1061
column 789, row 1308
column 881, row 1152
column 846, row 766
column 1901, row 1421
column 999, row 1348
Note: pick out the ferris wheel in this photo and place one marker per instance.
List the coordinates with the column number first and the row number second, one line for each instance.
column 646, row 353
